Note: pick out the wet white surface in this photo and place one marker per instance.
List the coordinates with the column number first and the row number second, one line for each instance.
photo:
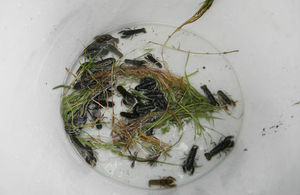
column 38, row 159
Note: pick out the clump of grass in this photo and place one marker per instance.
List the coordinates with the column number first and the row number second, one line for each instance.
column 76, row 100
column 185, row 103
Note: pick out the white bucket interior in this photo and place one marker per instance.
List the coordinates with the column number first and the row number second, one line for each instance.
column 39, row 159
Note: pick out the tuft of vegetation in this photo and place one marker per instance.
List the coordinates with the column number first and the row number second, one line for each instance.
column 84, row 99
column 205, row 6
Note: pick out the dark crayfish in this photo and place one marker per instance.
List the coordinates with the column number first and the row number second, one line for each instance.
column 140, row 110
column 94, row 107
column 104, row 94
column 151, row 159
column 86, row 79
column 128, row 98
column 109, row 42
column 94, row 113
column 93, row 110
column 160, row 103
column 154, row 94
column 151, row 59
column 156, row 97
column 223, row 145
column 135, row 62
column 85, row 83
column 147, row 84
column 129, row 115
column 143, row 109
column 72, row 131
column 104, row 103
column 95, row 49
column 146, row 80
column 166, row 182
column 225, row 99
column 210, row 97
column 101, row 46
column 105, row 64
column 189, row 163
column 130, row 33
column 79, row 119
column 114, row 50
column 85, row 151
column 106, row 38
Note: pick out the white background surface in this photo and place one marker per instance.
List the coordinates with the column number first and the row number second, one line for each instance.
column 39, row 38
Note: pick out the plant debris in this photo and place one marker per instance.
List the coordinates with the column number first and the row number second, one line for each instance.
column 159, row 100
column 155, row 101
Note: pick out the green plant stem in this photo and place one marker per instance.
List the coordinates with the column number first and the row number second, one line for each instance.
column 205, row 6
